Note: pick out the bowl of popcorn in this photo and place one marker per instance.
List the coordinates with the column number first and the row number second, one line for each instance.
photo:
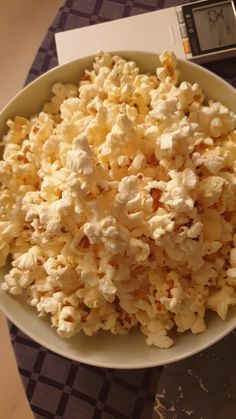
column 118, row 209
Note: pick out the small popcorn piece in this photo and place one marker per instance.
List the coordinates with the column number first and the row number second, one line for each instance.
column 108, row 289
column 161, row 224
column 216, row 126
column 166, row 142
column 214, row 164
column 138, row 163
column 169, row 62
column 139, row 249
column 210, row 189
column 123, row 161
column 221, row 300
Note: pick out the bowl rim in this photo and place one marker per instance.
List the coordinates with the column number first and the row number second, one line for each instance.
column 111, row 365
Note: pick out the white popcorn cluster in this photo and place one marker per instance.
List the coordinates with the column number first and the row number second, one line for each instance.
column 118, row 204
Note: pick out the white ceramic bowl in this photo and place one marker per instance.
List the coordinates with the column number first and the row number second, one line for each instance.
column 104, row 349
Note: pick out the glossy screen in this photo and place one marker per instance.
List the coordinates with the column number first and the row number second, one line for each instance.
column 216, row 26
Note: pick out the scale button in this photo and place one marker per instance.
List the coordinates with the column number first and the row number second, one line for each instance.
column 183, row 30
column 180, row 15
column 186, row 45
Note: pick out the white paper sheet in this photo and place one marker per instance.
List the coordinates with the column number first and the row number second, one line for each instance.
column 153, row 32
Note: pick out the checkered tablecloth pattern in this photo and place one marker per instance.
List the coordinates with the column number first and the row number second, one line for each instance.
column 60, row 388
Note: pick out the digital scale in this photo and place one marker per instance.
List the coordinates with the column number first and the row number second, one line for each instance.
column 200, row 31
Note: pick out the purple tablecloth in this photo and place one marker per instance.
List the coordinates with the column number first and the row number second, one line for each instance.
column 203, row 386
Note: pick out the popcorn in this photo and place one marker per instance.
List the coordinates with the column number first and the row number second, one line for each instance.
column 210, row 190
column 177, row 193
column 123, row 160
column 221, row 300
column 108, row 289
column 138, row 249
column 160, row 224
column 79, row 161
column 186, row 320
column 188, row 93
column 68, row 322
column 118, row 204
column 214, row 164
column 113, row 237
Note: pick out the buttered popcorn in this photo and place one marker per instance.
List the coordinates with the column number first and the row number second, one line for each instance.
column 118, row 204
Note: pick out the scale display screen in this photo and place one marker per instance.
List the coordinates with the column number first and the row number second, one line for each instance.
column 210, row 26
column 215, row 25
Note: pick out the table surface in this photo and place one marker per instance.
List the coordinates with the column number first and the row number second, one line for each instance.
column 202, row 386
column 24, row 17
